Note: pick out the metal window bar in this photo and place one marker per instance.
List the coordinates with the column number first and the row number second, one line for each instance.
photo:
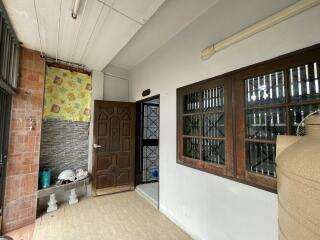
column 9, row 54
column 297, row 113
column 261, row 158
column 203, row 125
column 264, row 124
column 304, row 82
column 265, row 89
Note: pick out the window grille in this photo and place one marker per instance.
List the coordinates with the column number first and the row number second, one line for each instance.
column 203, row 125
column 304, row 82
column 297, row 113
column 265, row 89
column 9, row 54
column 228, row 125
column 264, row 123
column 268, row 102
column 304, row 92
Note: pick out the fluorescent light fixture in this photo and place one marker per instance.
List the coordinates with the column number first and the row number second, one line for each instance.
column 75, row 9
column 260, row 26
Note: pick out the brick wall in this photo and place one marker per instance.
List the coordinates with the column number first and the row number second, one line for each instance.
column 23, row 158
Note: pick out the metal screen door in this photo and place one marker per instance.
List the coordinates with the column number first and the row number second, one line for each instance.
column 149, row 142
column 5, row 111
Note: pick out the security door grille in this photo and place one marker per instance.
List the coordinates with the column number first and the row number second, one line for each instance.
column 150, row 142
column 147, row 164
column 5, row 109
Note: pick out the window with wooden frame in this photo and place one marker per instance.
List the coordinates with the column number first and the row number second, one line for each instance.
column 205, row 126
column 228, row 125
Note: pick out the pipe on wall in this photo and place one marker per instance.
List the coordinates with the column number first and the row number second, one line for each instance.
column 260, row 26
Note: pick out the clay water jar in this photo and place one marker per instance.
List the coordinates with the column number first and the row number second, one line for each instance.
column 298, row 176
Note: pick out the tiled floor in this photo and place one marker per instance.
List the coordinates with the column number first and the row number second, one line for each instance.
column 24, row 233
column 118, row 216
column 150, row 191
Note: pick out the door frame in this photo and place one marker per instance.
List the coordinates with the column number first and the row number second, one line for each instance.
column 138, row 141
column 94, row 190
column 5, row 120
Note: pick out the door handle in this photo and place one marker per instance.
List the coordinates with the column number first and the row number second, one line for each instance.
column 96, row 146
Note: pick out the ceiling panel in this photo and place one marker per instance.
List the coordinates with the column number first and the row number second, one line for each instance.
column 79, row 39
column 116, row 30
column 225, row 18
column 168, row 21
column 48, row 22
column 70, row 30
column 24, row 21
column 94, row 38
column 141, row 10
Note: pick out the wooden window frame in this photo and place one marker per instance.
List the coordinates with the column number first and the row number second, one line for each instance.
column 227, row 168
column 235, row 139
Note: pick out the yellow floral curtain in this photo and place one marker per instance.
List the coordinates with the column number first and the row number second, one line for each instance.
column 67, row 95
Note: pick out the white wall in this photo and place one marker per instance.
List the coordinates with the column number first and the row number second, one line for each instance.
column 97, row 94
column 116, row 85
column 205, row 205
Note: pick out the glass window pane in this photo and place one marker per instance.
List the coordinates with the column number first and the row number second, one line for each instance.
column 191, row 125
column 265, row 89
column 9, row 57
column 151, row 122
column 204, row 117
column 213, row 151
column 213, row 124
column 266, row 123
column 191, row 102
column 150, row 163
column 213, row 99
column 261, row 158
column 298, row 113
column 304, row 82
column 191, row 148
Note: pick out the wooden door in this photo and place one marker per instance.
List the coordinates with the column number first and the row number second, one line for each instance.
column 114, row 147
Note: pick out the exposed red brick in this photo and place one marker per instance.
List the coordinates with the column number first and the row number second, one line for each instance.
column 24, row 144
